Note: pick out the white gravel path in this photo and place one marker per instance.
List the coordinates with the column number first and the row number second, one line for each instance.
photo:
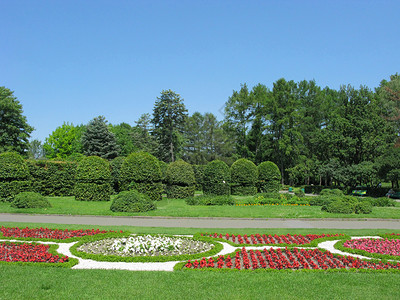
column 64, row 248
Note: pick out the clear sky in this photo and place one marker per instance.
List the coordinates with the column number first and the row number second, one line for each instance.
column 70, row 61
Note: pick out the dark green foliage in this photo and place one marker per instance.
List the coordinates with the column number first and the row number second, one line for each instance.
column 14, row 176
column 299, row 192
column 381, row 202
column 316, row 189
column 93, row 180
column 199, row 176
column 210, row 200
column 52, row 178
column 142, row 171
column 269, row 177
column 331, row 192
column 116, row 165
column 339, row 207
column 132, row 201
column 14, row 129
column 97, row 140
column 180, row 180
column 217, row 178
column 244, row 177
column 163, row 167
column 30, row 200
column 363, row 208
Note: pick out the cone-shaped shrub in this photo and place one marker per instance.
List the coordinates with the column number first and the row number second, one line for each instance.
column 244, row 177
column 132, row 201
column 217, row 178
column 180, row 180
column 14, row 176
column 93, row 180
column 269, row 177
column 141, row 171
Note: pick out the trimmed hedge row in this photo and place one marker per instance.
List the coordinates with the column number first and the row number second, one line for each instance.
column 217, row 178
column 244, row 177
column 180, row 180
column 269, row 177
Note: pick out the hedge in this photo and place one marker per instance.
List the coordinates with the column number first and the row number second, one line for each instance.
column 180, row 180
column 14, row 176
column 116, row 165
column 142, row 171
column 269, row 177
column 52, row 178
column 244, row 177
column 217, row 178
column 93, row 180
column 199, row 176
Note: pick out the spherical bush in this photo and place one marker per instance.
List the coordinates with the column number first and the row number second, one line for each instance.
column 269, row 177
column 244, row 177
column 14, row 176
column 93, row 180
column 30, row 200
column 180, row 180
column 132, row 201
column 217, row 178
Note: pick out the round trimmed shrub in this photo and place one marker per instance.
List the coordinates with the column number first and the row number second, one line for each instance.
column 244, row 177
column 363, row 208
column 141, row 171
column 30, row 200
column 93, row 180
column 14, row 176
column 199, row 176
column 339, row 207
column 180, row 180
column 217, row 178
column 269, row 177
column 132, row 201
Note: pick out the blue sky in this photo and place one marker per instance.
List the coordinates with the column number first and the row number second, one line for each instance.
column 70, row 61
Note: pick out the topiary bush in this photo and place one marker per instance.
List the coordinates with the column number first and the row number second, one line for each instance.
column 141, row 171
column 132, row 201
column 339, row 207
column 30, row 200
column 217, row 178
column 14, row 176
column 244, row 177
column 52, row 178
column 269, row 177
column 180, row 180
column 93, row 180
column 116, row 165
column 199, row 176
column 363, row 208
column 210, row 200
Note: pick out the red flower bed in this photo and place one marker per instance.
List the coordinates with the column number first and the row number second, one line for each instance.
column 45, row 233
column 293, row 259
column 296, row 239
column 13, row 252
column 380, row 246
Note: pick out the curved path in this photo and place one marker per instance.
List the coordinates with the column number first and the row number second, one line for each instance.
column 205, row 222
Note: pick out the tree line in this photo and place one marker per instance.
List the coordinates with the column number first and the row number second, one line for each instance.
column 314, row 135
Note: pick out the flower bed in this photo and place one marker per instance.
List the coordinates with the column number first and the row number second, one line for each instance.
column 22, row 252
column 47, row 234
column 256, row 239
column 293, row 259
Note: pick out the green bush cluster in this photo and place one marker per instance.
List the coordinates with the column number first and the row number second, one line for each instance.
column 52, row 178
column 346, row 205
column 180, row 180
column 210, row 200
column 269, row 177
column 277, row 198
column 93, row 180
column 217, row 178
column 132, row 201
column 244, row 177
column 115, row 166
column 141, row 171
column 14, row 176
column 199, row 176
column 331, row 192
column 30, row 200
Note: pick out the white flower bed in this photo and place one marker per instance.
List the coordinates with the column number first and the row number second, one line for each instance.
column 148, row 245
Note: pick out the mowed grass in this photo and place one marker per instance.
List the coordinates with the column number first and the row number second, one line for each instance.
column 179, row 208
column 29, row 282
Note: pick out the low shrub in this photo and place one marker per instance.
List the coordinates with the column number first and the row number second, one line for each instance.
column 380, row 202
column 339, row 207
column 132, row 201
column 363, row 208
column 331, row 192
column 210, row 200
column 30, row 200
column 299, row 192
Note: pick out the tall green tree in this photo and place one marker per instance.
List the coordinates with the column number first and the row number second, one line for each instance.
column 64, row 141
column 169, row 118
column 14, row 128
column 97, row 140
column 142, row 136
column 124, row 137
column 35, row 149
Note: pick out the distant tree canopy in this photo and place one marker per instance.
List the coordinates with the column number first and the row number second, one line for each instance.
column 14, row 128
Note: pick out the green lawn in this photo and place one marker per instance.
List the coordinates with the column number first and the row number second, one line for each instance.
column 178, row 208
column 22, row 282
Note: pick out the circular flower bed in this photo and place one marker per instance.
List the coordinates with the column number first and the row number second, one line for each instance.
column 147, row 245
column 379, row 246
